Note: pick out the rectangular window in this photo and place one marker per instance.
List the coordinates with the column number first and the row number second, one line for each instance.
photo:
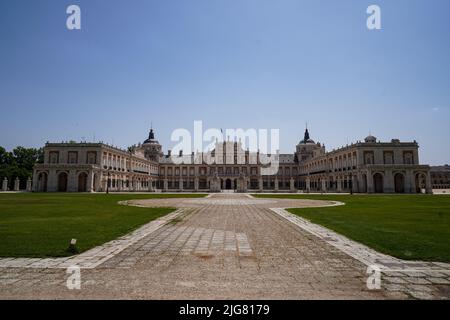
column 72, row 157
column 91, row 157
column 53, row 157
column 388, row 157
column 369, row 157
column 408, row 157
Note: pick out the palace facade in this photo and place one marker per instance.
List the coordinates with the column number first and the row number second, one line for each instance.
column 368, row 166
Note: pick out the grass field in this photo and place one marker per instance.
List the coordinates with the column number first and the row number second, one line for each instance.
column 412, row 227
column 42, row 225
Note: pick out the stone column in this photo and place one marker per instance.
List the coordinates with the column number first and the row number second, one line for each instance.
column 52, row 181
column 260, row 184
column 34, row 183
column 181, row 184
column 324, row 186
column 72, row 181
column 388, row 182
column 5, row 184
column 292, row 185
column 308, row 185
column 196, row 184
column 339, row 184
column 165, row 185
column 428, row 187
column 150, row 185
column 355, row 186
column 98, row 182
column 29, row 185
column 276, row 184
column 90, row 181
column 409, row 185
column 370, row 186
column 16, row 184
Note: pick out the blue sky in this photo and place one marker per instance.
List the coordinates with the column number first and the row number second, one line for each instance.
column 232, row 64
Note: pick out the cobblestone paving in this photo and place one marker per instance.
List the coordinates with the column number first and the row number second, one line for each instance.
column 226, row 246
column 418, row 279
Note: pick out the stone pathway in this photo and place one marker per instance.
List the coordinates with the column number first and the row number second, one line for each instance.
column 419, row 279
column 226, row 246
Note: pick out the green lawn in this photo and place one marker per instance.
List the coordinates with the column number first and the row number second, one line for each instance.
column 412, row 227
column 42, row 225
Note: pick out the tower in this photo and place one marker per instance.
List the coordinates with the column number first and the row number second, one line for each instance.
column 151, row 147
column 305, row 148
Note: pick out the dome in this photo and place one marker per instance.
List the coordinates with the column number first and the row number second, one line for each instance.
column 370, row 139
column 307, row 139
column 151, row 138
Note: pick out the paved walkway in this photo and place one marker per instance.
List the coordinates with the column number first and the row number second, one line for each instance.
column 221, row 247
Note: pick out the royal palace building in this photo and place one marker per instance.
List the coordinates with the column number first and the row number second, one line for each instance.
column 368, row 166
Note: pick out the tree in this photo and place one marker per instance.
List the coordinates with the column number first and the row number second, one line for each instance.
column 19, row 164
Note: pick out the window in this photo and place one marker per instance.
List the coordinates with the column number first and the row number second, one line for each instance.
column 368, row 157
column 72, row 157
column 388, row 157
column 53, row 157
column 91, row 157
column 408, row 157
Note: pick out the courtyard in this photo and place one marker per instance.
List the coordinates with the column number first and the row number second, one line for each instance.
column 223, row 246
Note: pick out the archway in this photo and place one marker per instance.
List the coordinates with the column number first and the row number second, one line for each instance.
column 228, row 184
column 378, row 182
column 82, row 182
column 420, row 182
column 399, row 183
column 62, row 182
column 42, row 182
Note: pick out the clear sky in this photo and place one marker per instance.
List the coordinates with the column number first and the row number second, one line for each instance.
column 230, row 63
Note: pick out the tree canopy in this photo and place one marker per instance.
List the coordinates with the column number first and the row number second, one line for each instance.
column 19, row 163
